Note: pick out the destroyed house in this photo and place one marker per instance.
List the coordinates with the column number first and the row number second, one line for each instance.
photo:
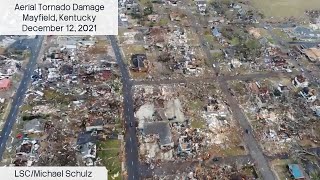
column 184, row 146
column 25, row 148
column 87, row 43
column 66, row 69
column 300, row 81
column 157, row 34
column 105, row 75
column 129, row 4
column 262, row 96
column 20, row 162
column 88, row 150
column 277, row 52
column 308, row 94
column 95, row 125
column 262, row 101
column 173, row 2
column 216, row 20
column 86, row 145
column 263, row 91
column 86, row 137
column 280, row 89
column 106, row 65
column 5, row 84
column 256, row 88
column 153, row 17
column 28, row 148
column 139, row 62
column 34, row 126
column 174, row 16
column 279, row 61
column 317, row 111
column 163, row 130
column 174, row 112
column 200, row 2
column 215, row 32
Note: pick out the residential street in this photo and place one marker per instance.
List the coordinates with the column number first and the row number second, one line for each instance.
column 131, row 142
column 34, row 45
column 255, row 151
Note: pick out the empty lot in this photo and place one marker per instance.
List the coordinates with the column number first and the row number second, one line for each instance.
column 285, row 8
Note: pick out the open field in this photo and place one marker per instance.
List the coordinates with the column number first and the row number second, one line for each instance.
column 109, row 153
column 285, row 8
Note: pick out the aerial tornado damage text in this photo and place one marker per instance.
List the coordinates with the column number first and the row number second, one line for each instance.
column 60, row 18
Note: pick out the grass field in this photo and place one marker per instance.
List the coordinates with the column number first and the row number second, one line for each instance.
column 285, row 8
column 109, row 153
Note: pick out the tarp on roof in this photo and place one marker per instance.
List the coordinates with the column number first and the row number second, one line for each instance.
column 296, row 171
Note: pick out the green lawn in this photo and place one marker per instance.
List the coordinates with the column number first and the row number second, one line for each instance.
column 110, row 159
column 133, row 49
column 145, row 2
column 285, row 8
column 209, row 38
column 57, row 97
column 280, row 168
column 235, row 41
column 233, row 151
column 163, row 22
column 26, row 107
column 270, row 40
column 196, row 105
column 281, row 34
column 109, row 152
column 198, row 123
column 110, row 143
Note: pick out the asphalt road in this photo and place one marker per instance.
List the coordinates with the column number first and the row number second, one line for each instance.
column 34, row 45
column 131, row 142
column 250, row 141
column 254, row 149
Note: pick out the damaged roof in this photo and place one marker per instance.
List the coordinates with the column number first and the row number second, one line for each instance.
column 160, row 128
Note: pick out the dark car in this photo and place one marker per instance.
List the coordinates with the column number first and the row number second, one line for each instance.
column 131, row 124
column 215, row 159
column 247, row 131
